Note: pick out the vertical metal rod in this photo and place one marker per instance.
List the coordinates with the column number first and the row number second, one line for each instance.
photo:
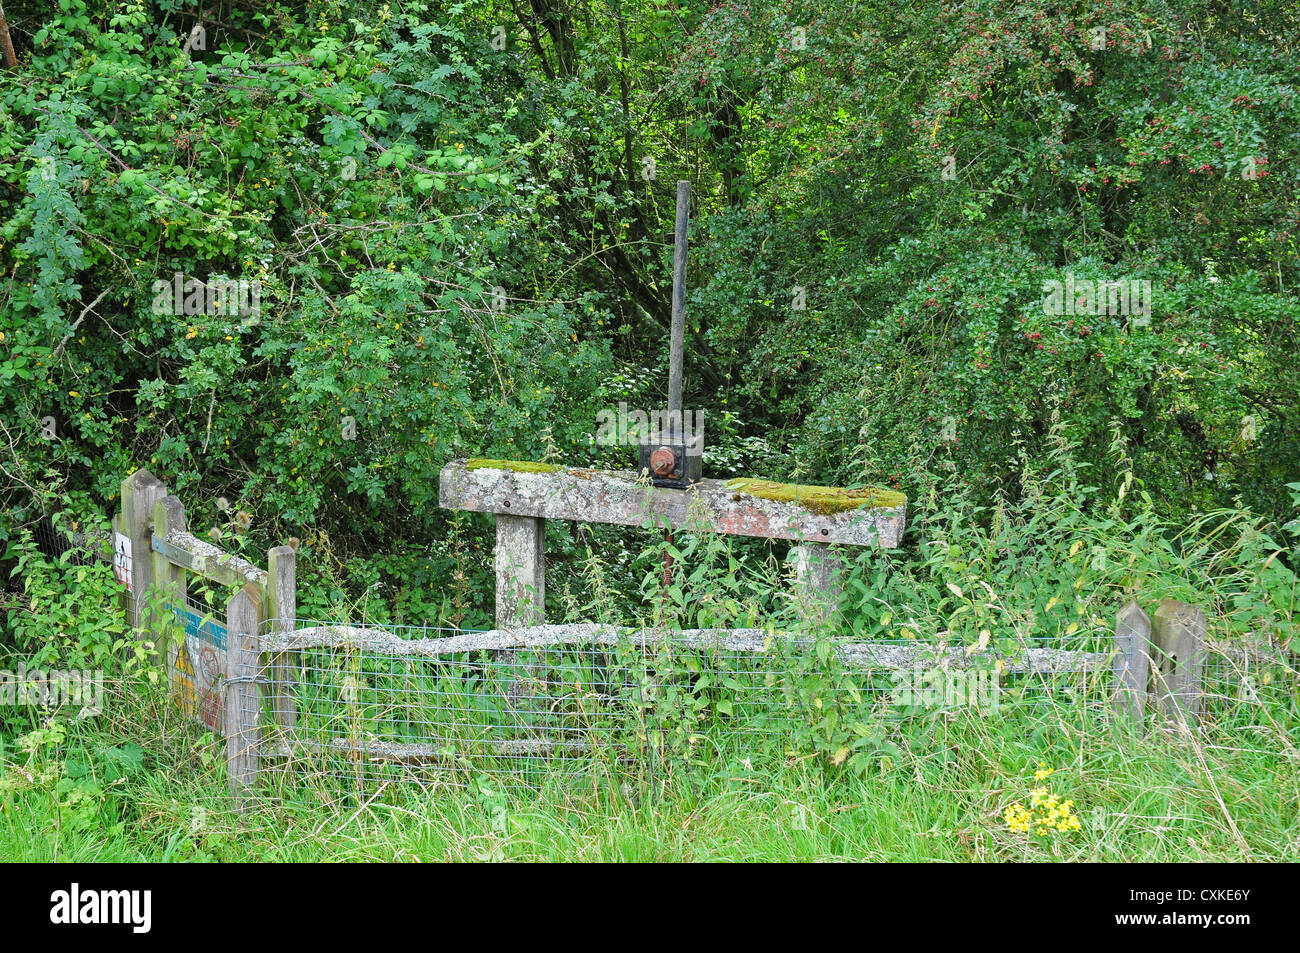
column 679, row 303
column 666, row 579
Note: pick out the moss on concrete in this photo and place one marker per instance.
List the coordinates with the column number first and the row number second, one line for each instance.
column 519, row 466
column 822, row 500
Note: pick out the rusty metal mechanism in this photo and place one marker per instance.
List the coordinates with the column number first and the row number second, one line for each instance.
column 670, row 455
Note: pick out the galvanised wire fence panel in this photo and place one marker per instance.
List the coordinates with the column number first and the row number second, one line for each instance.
column 59, row 536
column 1250, row 685
column 358, row 710
column 349, row 708
column 75, row 694
column 432, row 705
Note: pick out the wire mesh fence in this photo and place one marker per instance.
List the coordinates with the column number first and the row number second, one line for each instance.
column 1249, row 684
column 430, row 710
column 353, row 708
column 346, row 710
column 60, row 536
column 49, row 684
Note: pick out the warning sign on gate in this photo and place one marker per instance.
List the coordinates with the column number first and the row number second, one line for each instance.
column 122, row 558
column 198, row 663
column 183, row 681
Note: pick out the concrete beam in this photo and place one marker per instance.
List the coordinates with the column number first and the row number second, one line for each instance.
column 616, row 497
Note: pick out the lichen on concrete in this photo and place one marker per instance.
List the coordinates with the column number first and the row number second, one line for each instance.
column 519, row 466
column 822, row 500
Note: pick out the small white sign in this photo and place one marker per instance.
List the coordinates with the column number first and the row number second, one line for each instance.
column 122, row 559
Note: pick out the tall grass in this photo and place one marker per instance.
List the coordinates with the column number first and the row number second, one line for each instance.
column 138, row 782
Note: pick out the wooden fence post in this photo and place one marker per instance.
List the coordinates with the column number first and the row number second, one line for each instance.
column 168, row 578
column 1178, row 639
column 282, row 611
column 244, row 616
column 140, row 491
column 521, row 571
column 818, row 586
column 1130, row 667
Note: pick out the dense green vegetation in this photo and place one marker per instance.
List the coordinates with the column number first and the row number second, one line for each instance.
column 459, row 216
column 390, row 171
column 942, row 800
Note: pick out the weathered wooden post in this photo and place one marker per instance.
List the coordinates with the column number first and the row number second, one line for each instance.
column 140, row 492
column 169, row 578
column 244, row 616
column 1178, row 640
column 520, row 597
column 282, row 611
column 521, row 571
column 1130, row 667
column 818, row 569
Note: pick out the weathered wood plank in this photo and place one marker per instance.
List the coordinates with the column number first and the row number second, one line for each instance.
column 1178, row 639
column 520, row 563
column 1256, row 650
column 168, row 578
column 593, row 496
column 450, row 751
column 282, row 611
column 204, row 559
column 866, row 655
column 818, row 585
column 1131, row 665
column 244, row 614
column 140, row 491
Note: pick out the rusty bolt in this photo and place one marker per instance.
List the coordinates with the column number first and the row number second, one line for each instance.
column 662, row 461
